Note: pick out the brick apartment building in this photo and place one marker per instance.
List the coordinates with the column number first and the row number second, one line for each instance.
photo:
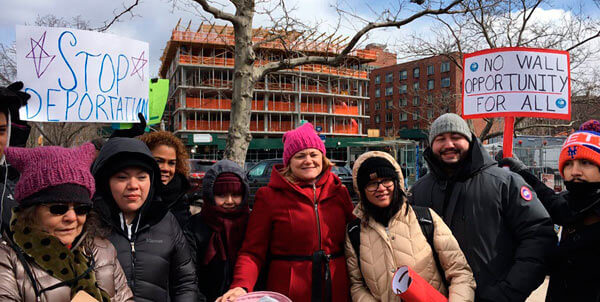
column 406, row 98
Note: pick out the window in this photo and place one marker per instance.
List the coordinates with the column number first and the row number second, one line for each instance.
column 416, row 72
column 445, row 67
column 429, row 99
column 430, row 84
column 377, row 119
column 258, row 171
column 389, row 104
column 389, row 131
column 415, row 116
column 416, row 100
column 366, row 107
column 430, row 70
column 389, row 91
column 416, row 86
column 430, row 114
column 403, row 116
column 445, row 82
column 389, row 117
column 377, row 106
column 403, row 74
column 377, row 79
column 402, row 102
column 402, row 88
column 389, row 77
column 377, row 93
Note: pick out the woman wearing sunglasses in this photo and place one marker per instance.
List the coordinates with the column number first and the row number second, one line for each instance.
column 149, row 241
column 55, row 249
column 390, row 236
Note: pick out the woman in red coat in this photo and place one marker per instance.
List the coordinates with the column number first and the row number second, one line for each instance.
column 298, row 223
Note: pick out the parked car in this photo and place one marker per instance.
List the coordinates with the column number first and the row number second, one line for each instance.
column 260, row 174
column 198, row 168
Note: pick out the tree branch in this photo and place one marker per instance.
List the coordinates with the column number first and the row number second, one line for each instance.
column 46, row 137
column 116, row 18
column 217, row 13
column 339, row 58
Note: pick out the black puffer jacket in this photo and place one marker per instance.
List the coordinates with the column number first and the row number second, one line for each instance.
column 156, row 260
column 575, row 263
column 501, row 226
column 214, row 278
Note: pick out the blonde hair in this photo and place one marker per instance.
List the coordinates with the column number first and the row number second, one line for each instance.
column 287, row 173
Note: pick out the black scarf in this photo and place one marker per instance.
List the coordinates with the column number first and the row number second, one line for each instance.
column 583, row 196
column 171, row 192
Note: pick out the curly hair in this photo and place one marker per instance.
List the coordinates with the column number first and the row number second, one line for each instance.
column 155, row 139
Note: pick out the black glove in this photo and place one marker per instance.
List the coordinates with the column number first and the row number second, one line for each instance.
column 137, row 129
column 513, row 164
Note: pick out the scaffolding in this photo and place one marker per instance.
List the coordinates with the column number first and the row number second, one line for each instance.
column 200, row 65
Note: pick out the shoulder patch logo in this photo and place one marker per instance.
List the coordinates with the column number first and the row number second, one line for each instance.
column 526, row 193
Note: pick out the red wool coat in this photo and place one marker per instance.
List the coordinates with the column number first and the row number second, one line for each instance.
column 284, row 222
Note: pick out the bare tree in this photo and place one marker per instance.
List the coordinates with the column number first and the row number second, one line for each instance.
column 292, row 36
column 512, row 23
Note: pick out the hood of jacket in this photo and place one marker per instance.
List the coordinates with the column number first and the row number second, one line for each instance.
column 223, row 166
column 361, row 159
column 477, row 160
column 115, row 150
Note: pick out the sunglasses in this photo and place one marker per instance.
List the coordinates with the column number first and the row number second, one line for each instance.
column 61, row 209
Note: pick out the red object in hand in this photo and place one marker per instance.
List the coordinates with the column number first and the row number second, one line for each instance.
column 413, row 288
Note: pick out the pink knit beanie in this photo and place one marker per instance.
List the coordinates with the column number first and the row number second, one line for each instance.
column 303, row 137
column 64, row 174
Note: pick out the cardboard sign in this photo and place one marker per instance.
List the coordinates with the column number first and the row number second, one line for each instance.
column 81, row 76
column 516, row 81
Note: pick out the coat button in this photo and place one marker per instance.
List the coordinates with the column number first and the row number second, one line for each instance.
column 393, row 237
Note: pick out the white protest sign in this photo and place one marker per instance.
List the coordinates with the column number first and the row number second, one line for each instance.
column 81, row 76
column 517, row 81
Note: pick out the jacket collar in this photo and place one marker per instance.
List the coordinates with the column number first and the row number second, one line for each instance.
column 328, row 183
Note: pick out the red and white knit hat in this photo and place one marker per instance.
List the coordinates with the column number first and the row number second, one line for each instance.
column 582, row 144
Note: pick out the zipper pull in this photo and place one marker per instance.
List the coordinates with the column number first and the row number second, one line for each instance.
column 132, row 246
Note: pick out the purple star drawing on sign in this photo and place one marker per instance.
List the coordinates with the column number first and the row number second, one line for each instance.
column 138, row 65
column 39, row 54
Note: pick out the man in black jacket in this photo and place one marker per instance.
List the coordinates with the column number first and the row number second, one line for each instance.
column 501, row 226
column 575, row 263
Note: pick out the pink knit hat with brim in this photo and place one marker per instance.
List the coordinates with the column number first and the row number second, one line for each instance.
column 303, row 137
column 53, row 174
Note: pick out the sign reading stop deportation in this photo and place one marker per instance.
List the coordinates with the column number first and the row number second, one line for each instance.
column 82, row 76
column 507, row 82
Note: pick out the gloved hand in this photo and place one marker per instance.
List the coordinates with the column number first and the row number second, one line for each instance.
column 137, row 129
column 513, row 164
column 12, row 97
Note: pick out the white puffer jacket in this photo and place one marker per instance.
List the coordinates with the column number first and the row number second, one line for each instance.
column 383, row 250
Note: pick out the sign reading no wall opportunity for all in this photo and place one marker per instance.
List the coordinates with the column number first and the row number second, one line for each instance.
column 517, row 81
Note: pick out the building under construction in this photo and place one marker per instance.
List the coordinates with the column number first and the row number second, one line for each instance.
column 199, row 64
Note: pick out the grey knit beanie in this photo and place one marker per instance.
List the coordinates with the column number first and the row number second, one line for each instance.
column 449, row 122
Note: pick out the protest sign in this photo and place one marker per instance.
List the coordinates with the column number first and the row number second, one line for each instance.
column 513, row 82
column 82, row 76
column 159, row 92
column 516, row 81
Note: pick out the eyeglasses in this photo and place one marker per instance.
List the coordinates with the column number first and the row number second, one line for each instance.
column 61, row 209
column 374, row 185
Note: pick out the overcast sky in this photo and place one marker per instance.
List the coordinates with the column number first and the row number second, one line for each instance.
column 155, row 19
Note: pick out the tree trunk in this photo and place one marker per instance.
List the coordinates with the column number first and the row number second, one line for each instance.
column 239, row 137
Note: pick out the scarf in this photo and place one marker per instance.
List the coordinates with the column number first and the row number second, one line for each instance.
column 56, row 259
column 173, row 190
column 229, row 228
column 583, row 196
